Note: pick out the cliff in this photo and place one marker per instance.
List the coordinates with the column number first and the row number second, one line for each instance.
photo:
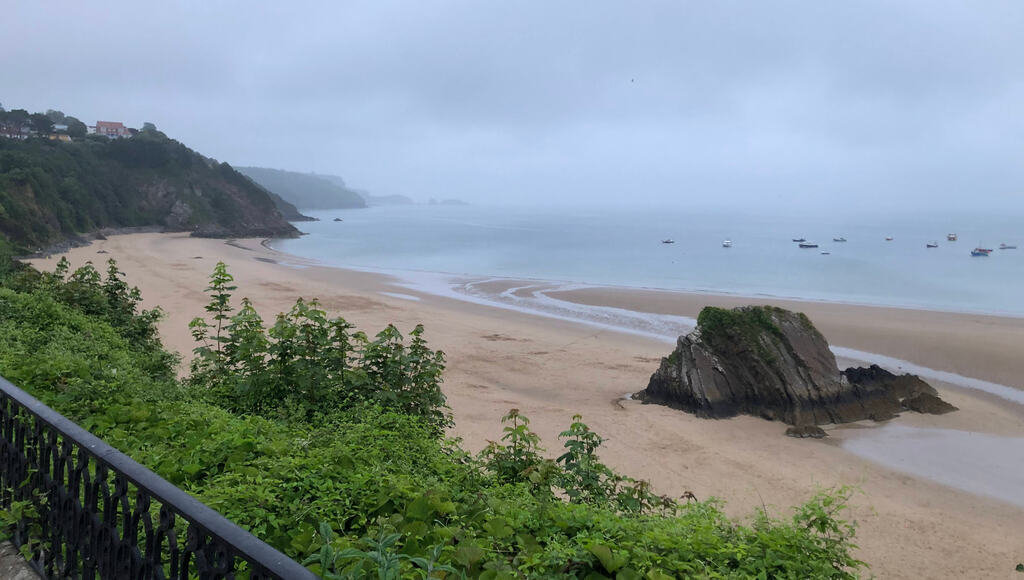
column 51, row 191
column 303, row 190
column 773, row 363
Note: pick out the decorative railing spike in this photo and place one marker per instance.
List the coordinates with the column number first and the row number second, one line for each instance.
column 102, row 515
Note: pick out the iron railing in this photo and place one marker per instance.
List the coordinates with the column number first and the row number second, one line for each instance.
column 99, row 514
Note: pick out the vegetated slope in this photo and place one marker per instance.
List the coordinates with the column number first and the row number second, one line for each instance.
column 370, row 198
column 288, row 210
column 50, row 191
column 304, row 190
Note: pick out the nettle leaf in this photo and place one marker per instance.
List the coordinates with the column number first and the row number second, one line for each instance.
column 469, row 554
column 420, row 508
column 609, row 560
column 498, row 528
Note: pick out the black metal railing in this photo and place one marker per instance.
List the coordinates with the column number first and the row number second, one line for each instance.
column 99, row 514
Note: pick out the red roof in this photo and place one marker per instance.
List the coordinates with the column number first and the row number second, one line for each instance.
column 109, row 124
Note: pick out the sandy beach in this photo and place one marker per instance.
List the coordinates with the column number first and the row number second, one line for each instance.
column 909, row 526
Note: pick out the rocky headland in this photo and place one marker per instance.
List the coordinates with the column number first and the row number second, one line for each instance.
column 773, row 363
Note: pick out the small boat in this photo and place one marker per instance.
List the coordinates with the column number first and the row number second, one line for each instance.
column 727, row 244
column 668, row 241
column 979, row 252
column 825, row 253
column 838, row 239
column 807, row 245
column 888, row 238
column 932, row 245
column 950, row 237
column 799, row 240
column 1007, row 247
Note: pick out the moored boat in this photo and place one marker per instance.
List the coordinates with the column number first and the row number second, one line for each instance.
column 799, row 240
column 668, row 241
column 888, row 238
column 727, row 244
column 932, row 245
column 839, row 239
column 1007, row 247
column 950, row 237
column 807, row 245
column 976, row 252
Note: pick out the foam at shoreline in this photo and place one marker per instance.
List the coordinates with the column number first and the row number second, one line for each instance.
column 979, row 463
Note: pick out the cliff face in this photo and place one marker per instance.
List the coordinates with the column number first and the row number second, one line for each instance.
column 50, row 191
column 306, row 191
column 773, row 363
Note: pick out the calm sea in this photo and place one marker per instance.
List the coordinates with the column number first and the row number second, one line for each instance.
column 622, row 247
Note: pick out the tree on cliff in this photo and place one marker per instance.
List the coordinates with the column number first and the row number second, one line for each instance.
column 41, row 123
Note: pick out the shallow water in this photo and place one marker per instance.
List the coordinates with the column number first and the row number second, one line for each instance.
column 989, row 465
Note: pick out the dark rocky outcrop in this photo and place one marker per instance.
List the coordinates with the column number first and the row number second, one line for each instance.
column 806, row 431
column 772, row 363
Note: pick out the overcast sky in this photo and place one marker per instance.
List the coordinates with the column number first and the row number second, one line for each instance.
column 820, row 104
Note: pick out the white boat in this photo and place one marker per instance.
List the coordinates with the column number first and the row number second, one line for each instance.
column 1007, row 247
column 727, row 244
column 950, row 237
column 888, row 238
column 668, row 241
column 825, row 253
column 932, row 245
column 839, row 239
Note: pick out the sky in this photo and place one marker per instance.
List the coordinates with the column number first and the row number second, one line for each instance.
column 823, row 105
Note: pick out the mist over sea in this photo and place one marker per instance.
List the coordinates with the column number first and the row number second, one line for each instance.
column 622, row 247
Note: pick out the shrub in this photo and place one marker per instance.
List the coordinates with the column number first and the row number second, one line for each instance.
column 308, row 364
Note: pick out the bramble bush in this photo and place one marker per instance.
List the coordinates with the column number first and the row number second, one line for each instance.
column 330, row 446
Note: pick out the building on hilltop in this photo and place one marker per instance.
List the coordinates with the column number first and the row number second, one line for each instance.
column 112, row 129
column 14, row 131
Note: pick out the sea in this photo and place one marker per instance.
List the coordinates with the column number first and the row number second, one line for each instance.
column 623, row 247
column 454, row 250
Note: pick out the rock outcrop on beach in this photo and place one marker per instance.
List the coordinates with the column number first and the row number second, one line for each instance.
column 773, row 363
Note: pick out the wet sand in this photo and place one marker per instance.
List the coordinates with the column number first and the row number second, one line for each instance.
column 910, row 526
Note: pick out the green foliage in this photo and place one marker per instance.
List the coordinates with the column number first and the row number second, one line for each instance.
column 577, row 474
column 749, row 325
column 747, row 322
column 110, row 299
column 50, row 190
column 519, row 460
column 368, row 486
column 81, row 337
column 308, row 364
